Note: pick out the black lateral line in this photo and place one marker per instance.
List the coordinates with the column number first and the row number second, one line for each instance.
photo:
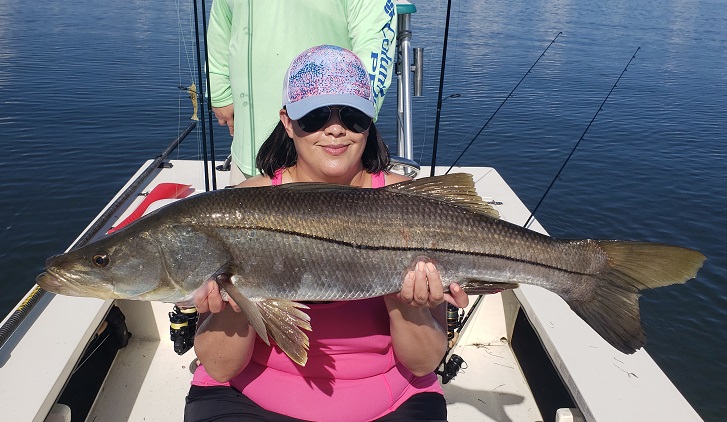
column 393, row 248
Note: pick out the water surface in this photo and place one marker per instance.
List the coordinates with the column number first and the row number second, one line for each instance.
column 88, row 92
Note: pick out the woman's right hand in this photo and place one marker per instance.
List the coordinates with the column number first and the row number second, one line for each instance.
column 225, row 339
column 208, row 298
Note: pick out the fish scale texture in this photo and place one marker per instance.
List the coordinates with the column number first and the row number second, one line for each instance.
column 316, row 242
column 379, row 219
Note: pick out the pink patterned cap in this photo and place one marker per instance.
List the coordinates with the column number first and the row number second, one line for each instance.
column 326, row 75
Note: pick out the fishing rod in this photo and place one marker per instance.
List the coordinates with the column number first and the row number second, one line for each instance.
column 557, row 175
column 441, row 85
column 207, row 165
column 501, row 104
column 456, row 322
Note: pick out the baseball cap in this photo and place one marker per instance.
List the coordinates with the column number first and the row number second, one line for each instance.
column 326, row 75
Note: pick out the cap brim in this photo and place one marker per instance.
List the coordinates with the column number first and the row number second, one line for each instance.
column 300, row 108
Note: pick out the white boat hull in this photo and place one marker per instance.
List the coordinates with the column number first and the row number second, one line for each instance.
column 148, row 381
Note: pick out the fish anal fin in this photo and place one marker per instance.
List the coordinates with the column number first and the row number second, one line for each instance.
column 285, row 323
column 249, row 307
column 473, row 286
column 457, row 189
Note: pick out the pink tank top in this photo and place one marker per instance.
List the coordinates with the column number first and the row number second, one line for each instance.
column 350, row 359
column 378, row 180
column 351, row 373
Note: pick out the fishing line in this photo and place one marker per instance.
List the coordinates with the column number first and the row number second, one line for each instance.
column 103, row 340
column 498, row 108
column 185, row 30
column 557, row 175
column 183, row 47
column 455, row 323
column 453, row 365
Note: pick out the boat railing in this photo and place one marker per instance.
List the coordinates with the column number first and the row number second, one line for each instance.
column 404, row 160
column 13, row 321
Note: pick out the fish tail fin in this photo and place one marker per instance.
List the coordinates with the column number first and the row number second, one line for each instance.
column 613, row 308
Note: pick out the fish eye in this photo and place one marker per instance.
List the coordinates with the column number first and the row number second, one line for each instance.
column 101, row 259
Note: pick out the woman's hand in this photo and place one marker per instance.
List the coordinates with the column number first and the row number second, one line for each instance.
column 417, row 318
column 422, row 288
column 208, row 298
column 225, row 339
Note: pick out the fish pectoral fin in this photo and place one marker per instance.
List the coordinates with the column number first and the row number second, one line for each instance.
column 249, row 307
column 282, row 319
column 285, row 323
column 473, row 286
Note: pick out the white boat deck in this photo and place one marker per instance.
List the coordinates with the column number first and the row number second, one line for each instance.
column 149, row 366
column 148, row 380
column 491, row 386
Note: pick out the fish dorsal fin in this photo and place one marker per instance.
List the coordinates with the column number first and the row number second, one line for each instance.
column 457, row 188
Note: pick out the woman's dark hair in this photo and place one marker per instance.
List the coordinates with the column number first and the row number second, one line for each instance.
column 278, row 151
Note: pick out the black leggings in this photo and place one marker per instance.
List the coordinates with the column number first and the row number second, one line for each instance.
column 218, row 404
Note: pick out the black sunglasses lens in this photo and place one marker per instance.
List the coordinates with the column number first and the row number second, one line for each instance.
column 315, row 119
column 355, row 119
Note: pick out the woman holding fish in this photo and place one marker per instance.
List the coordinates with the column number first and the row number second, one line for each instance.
column 367, row 359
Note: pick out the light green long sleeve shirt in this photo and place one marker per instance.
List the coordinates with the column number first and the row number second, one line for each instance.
column 251, row 45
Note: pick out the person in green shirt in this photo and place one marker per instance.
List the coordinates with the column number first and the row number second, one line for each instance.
column 251, row 44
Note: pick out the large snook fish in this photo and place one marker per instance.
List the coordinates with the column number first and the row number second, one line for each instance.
column 272, row 247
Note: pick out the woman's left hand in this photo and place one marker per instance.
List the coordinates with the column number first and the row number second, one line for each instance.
column 422, row 288
column 417, row 318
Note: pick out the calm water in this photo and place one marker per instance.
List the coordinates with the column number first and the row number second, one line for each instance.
column 88, row 92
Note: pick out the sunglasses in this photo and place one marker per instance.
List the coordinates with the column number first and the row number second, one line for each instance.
column 353, row 119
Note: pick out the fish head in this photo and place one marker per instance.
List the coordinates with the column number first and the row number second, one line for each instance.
column 153, row 260
column 124, row 265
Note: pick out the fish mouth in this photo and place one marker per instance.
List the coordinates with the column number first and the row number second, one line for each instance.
column 56, row 283
column 48, row 280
